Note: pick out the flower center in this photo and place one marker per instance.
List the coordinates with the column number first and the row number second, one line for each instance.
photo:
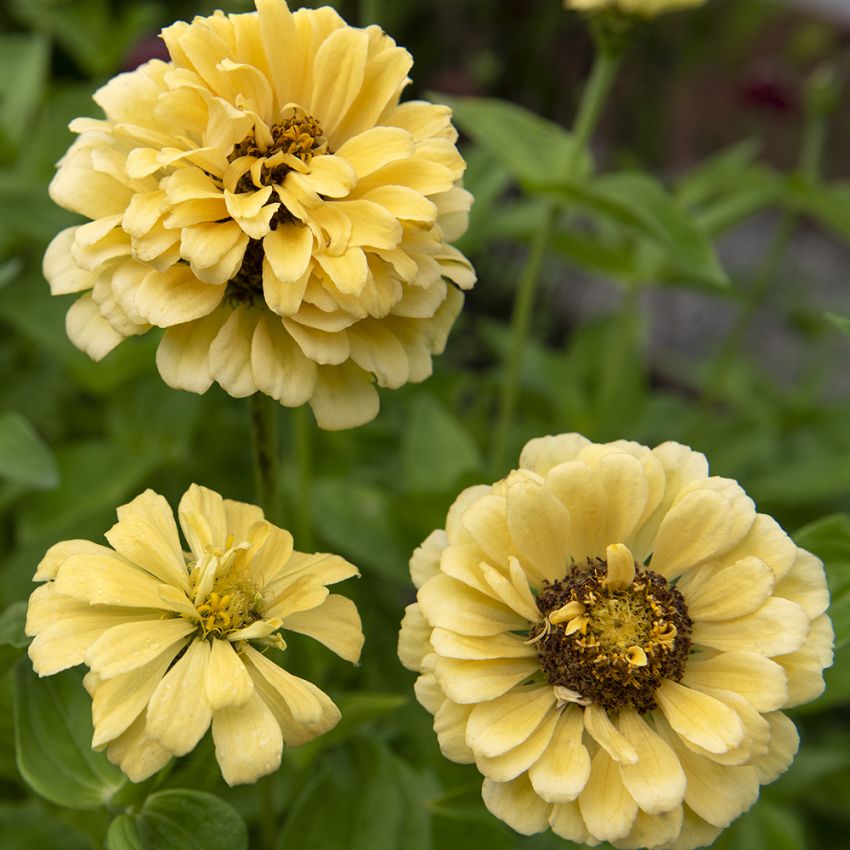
column 296, row 135
column 612, row 633
column 247, row 284
column 224, row 599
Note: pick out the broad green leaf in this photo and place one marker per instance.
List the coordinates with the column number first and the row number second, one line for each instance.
column 377, row 803
column 23, row 71
column 9, row 270
column 702, row 182
column 531, row 148
column 460, row 820
column 358, row 709
column 53, row 732
column 27, row 824
column 640, row 204
column 840, row 322
column 356, row 520
column 12, row 637
column 179, row 820
column 828, row 204
column 24, row 457
column 436, row 450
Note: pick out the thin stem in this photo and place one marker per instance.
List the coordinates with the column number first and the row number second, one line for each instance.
column 371, row 12
column 266, row 454
column 268, row 814
column 593, row 98
column 303, row 450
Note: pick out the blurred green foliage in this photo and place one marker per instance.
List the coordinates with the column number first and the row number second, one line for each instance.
column 78, row 438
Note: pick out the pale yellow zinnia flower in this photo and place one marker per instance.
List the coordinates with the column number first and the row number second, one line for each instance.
column 266, row 198
column 170, row 636
column 611, row 635
column 637, row 8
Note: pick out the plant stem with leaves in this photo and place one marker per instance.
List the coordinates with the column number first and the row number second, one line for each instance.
column 593, row 99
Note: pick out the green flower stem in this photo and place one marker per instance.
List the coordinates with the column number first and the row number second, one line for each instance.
column 371, row 12
column 811, row 153
column 303, row 451
column 593, row 99
column 266, row 454
column 268, row 813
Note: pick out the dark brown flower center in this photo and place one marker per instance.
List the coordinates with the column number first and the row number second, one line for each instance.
column 617, row 646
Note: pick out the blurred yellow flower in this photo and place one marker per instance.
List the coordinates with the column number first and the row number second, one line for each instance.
column 638, row 8
column 169, row 635
column 266, row 198
column 611, row 635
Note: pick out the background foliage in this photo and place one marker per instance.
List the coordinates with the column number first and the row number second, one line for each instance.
column 694, row 289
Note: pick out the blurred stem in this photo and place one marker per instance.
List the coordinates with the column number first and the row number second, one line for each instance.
column 371, row 12
column 593, row 99
column 268, row 813
column 811, row 154
column 266, row 454
column 303, row 450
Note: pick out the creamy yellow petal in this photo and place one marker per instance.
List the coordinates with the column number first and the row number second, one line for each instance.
column 516, row 804
column 605, row 733
column 138, row 755
column 302, row 595
column 88, row 330
column 473, row 681
column 299, row 698
column 716, row 593
column 656, row 780
column 146, row 535
column 57, row 554
column 59, row 268
column 700, row 718
column 485, row 520
column 183, row 353
column 428, row 692
column 702, row 524
column 447, row 603
column 118, row 702
column 178, row 711
column 543, row 453
column 414, row 638
column 805, row 584
column 577, row 487
column 514, row 593
column 653, row 831
column 561, row 773
column 450, row 722
column 248, row 741
column 566, row 822
column 606, row 806
column 778, row 627
column 335, row 623
column 539, row 525
column 505, row 722
column 230, row 353
column 511, row 764
column 130, row 645
column 175, row 296
column 425, row 560
column 203, row 519
column 784, row 743
column 758, row 679
column 695, row 832
column 506, row 645
column 228, row 684
column 344, row 397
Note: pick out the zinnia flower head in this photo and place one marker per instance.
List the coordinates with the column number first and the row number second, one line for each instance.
column 169, row 636
column 611, row 635
column 266, row 198
column 635, row 8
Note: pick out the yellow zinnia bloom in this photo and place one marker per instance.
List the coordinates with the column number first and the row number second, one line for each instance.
column 169, row 636
column 638, row 8
column 266, row 198
column 611, row 635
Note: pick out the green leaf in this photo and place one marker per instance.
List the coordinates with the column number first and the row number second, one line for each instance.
column 702, row 182
column 829, row 204
column 356, row 520
column 358, row 709
column 27, row 824
column 12, row 637
column 840, row 322
column 766, row 826
column 24, row 457
column 179, row 820
column 23, row 72
column 53, row 732
column 643, row 206
column 362, row 798
column 436, row 450
column 532, row 149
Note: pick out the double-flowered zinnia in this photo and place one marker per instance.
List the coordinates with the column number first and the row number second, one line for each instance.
column 611, row 635
column 266, row 198
column 177, row 641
